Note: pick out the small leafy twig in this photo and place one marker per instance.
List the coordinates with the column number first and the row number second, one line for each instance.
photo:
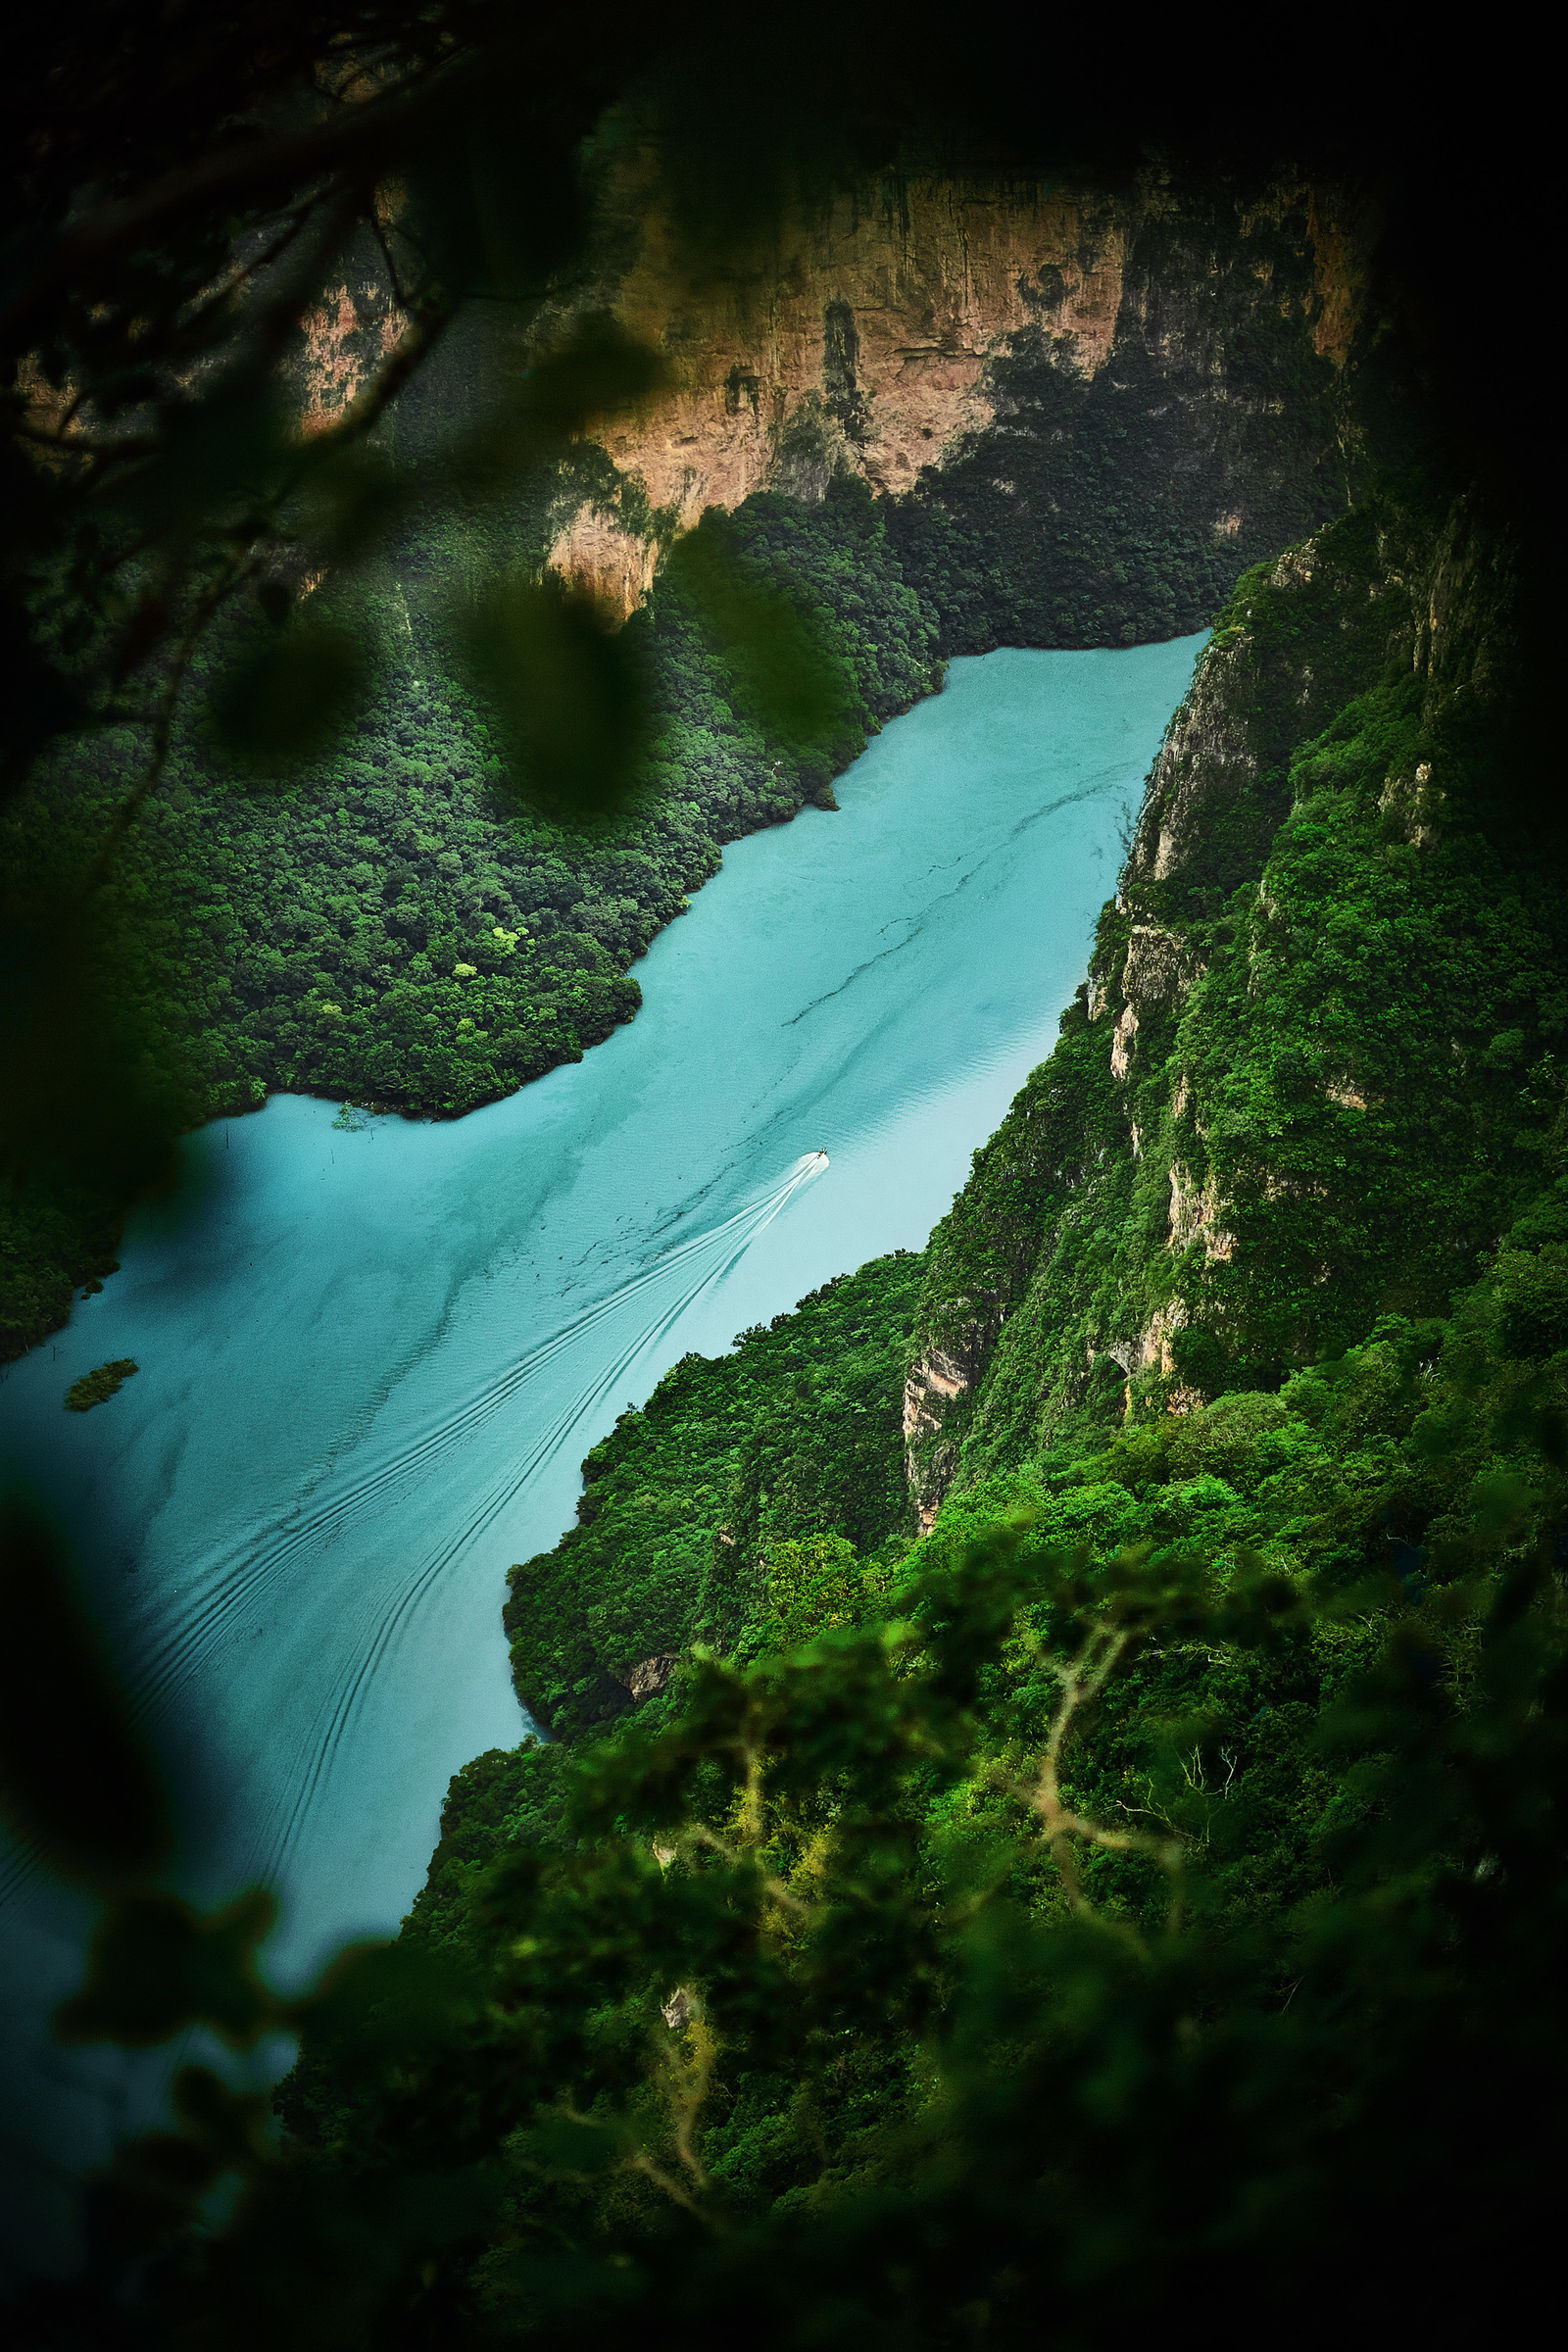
column 273, row 252
column 1080, row 1684
column 686, row 2068
column 698, row 1834
column 653, row 2170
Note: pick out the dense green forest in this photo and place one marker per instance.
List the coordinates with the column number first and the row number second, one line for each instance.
column 1198, row 1792
column 1315, row 1072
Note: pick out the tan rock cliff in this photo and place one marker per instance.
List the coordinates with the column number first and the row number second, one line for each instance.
column 855, row 338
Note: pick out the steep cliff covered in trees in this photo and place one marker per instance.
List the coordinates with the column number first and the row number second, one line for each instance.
column 1312, row 1072
column 1309, row 1085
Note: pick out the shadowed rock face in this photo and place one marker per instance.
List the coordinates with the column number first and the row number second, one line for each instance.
column 860, row 337
column 856, row 341
column 911, row 326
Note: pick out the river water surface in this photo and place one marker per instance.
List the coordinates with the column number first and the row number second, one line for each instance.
column 371, row 1359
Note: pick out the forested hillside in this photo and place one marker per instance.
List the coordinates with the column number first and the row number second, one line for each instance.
column 1314, row 1072
column 794, row 1435
column 1206, row 1759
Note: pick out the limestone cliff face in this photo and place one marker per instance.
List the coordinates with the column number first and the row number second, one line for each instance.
column 863, row 337
column 951, row 336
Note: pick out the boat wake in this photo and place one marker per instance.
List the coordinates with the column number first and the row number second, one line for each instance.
column 285, row 1570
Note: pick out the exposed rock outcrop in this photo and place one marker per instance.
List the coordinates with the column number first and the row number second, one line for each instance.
column 856, row 340
column 874, row 333
column 650, row 1676
column 1195, row 1216
column 936, row 1381
column 1132, row 1210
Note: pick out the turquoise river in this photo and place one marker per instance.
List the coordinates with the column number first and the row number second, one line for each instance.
column 372, row 1359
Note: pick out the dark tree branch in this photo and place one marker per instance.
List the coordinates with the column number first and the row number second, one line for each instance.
column 363, row 139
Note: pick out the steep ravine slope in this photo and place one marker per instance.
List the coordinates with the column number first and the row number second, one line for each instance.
column 1310, row 1075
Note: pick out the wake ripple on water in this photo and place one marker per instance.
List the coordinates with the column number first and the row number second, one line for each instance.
column 218, row 1599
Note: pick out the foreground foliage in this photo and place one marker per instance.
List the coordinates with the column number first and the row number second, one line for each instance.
column 1157, row 1894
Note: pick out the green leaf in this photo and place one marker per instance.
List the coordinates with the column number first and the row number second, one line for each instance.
column 574, row 2144
column 232, row 2125
column 792, row 682
column 566, row 691
column 291, row 696
column 599, row 372
column 74, row 1780
column 380, row 2001
column 157, row 1965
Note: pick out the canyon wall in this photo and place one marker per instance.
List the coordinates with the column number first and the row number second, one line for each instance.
column 854, row 340
column 869, row 334
column 1268, row 1118
column 1022, row 366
